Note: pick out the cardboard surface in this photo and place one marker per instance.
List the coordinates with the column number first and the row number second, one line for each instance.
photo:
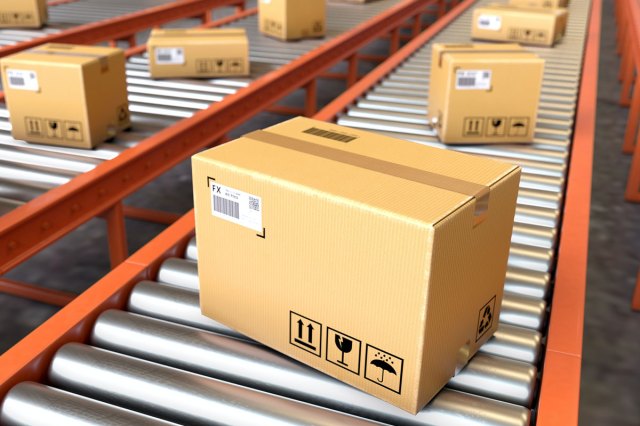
column 375, row 260
column 23, row 13
column 67, row 95
column 548, row 4
column 501, row 22
column 484, row 93
column 292, row 19
column 198, row 53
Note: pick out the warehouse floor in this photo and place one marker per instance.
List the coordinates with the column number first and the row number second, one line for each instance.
column 610, row 376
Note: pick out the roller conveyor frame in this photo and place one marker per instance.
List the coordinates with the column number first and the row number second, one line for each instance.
column 99, row 193
column 559, row 392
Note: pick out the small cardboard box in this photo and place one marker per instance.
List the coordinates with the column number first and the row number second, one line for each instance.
column 546, row 4
column 498, row 22
column 198, row 53
column 378, row 261
column 23, row 13
column 67, row 95
column 292, row 19
column 484, row 93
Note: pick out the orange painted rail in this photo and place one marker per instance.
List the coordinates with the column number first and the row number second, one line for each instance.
column 99, row 192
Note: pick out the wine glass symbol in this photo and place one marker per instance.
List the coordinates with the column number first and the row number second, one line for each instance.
column 345, row 345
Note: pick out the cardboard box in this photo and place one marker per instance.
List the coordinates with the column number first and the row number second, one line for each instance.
column 67, row 95
column 198, row 53
column 23, row 13
column 498, row 22
column 292, row 19
column 484, row 93
column 378, row 261
column 548, row 4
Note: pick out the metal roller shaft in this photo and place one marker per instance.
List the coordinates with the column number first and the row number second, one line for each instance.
column 180, row 273
column 244, row 363
column 178, row 395
column 182, row 306
column 33, row 404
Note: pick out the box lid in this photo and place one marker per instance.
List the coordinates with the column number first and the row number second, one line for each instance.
column 64, row 54
column 370, row 171
column 484, row 53
column 522, row 8
column 173, row 35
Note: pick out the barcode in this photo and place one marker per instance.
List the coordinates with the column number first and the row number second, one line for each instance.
column 466, row 81
column 164, row 57
column 485, row 22
column 226, row 207
column 330, row 135
column 16, row 81
column 254, row 204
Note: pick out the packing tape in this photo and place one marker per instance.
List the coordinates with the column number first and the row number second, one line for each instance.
column 479, row 192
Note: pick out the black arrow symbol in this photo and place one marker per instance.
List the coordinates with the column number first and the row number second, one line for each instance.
column 310, row 327
column 299, row 329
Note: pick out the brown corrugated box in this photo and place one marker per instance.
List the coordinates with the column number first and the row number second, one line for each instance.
column 23, row 13
column 378, row 261
column 67, row 95
column 501, row 22
column 292, row 19
column 484, row 93
column 198, row 53
column 548, row 4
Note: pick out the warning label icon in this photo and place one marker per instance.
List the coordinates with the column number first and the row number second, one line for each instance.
column 473, row 126
column 343, row 350
column 518, row 126
column 486, row 317
column 496, row 126
column 305, row 333
column 383, row 368
column 54, row 129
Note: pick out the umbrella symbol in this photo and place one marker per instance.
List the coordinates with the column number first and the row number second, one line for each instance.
column 384, row 366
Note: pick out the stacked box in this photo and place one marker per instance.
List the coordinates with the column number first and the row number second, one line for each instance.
column 67, row 95
column 198, row 53
column 548, row 4
column 378, row 261
column 23, row 13
column 292, row 19
column 484, row 93
column 496, row 22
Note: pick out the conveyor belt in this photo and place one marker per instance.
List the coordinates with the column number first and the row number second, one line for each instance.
column 28, row 170
column 162, row 358
column 73, row 14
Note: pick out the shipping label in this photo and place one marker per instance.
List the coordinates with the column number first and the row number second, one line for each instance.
column 23, row 80
column 169, row 55
column 236, row 206
column 490, row 22
column 473, row 79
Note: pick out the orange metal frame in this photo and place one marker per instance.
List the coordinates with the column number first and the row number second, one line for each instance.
column 559, row 396
column 99, row 192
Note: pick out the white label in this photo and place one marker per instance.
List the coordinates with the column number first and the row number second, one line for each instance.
column 23, row 80
column 169, row 55
column 490, row 22
column 473, row 79
column 236, row 206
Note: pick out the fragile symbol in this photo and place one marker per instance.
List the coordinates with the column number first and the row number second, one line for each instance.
column 485, row 318
column 305, row 333
column 496, row 126
column 54, row 129
column 384, row 369
column 345, row 345
column 343, row 350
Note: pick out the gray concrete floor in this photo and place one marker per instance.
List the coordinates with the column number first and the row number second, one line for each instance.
column 610, row 392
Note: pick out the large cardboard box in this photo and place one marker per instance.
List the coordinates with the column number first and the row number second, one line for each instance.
column 198, row 53
column 378, row 261
column 292, row 19
column 498, row 22
column 23, row 13
column 67, row 95
column 549, row 4
column 484, row 93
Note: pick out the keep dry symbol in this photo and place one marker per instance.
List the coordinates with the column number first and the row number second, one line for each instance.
column 384, row 366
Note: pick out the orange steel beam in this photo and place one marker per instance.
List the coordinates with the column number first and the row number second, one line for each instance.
column 22, row 231
column 560, row 389
column 29, row 291
column 29, row 359
column 58, row 2
column 629, row 68
column 148, row 215
column 126, row 25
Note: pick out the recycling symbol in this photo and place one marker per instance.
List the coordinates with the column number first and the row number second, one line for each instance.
column 123, row 114
column 485, row 318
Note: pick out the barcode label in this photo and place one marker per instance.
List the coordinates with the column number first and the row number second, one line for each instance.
column 340, row 137
column 23, row 80
column 490, row 22
column 236, row 206
column 473, row 79
column 169, row 55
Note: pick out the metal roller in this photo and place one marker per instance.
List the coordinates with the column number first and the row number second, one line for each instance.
column 177, row 395
column 179, row 272
column 523, row 311
column 182, row 306
column 244, row 363
column 33, row 404
column 527, row 283
column 192, row 250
